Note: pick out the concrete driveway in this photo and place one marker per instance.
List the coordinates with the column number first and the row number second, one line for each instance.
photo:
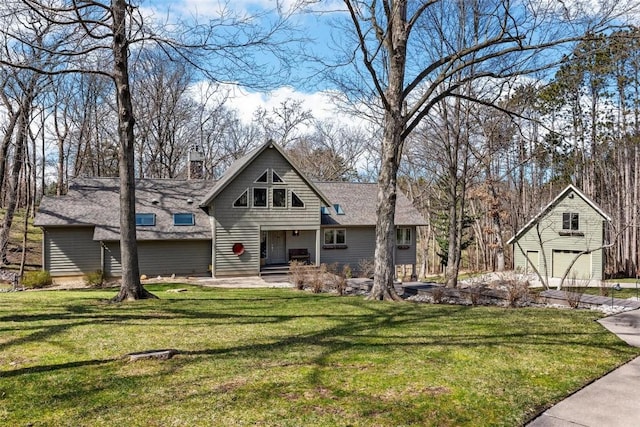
column 613, row 400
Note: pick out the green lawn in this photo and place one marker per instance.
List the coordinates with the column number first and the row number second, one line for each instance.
column 288, row 358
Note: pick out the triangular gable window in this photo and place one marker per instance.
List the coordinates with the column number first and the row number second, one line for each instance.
column 263, row 177
column 242, row 201
column 296, row 202
column 275, row 178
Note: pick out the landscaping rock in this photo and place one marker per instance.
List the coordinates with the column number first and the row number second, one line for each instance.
column 152, row 354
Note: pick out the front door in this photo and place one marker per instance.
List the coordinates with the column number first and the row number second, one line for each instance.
column 277, row 247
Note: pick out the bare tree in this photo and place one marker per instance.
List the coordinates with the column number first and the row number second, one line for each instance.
column 97, row 32
column 415, row 54
column 284, row 123
column 330, row 151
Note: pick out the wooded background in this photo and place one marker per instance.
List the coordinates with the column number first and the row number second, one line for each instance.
column 490, row 168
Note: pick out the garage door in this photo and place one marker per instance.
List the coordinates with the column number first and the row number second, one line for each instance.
column 581, row 269
column 160, row 257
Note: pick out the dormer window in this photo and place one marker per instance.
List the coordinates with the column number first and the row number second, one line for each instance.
column 570, row 221
column 324, row 210
column 145, row 219
column 338, row 209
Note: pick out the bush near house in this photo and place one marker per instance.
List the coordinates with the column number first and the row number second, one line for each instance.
column 36, row 279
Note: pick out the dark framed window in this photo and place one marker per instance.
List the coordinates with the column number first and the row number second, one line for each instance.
column 296, row 202
column 324, row 210
column 259, row 197
column 338, row 209
column 279, row 197
column 184, row 219
column 570, row 221
column 145, row 219
column 242, row 201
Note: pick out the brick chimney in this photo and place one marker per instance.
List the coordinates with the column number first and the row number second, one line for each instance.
column 196, row 163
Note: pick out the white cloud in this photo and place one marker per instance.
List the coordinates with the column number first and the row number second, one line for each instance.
column 321, row 104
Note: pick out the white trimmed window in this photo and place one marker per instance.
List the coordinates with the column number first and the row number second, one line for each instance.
column 263, row 177
column 275, row 178
column 259, row 197
column 279, row 197
column 296, row 202
column 242, row 201
column 335, row 236
column 403, row 236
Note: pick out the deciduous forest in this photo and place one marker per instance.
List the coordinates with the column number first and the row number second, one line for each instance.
column 491, row 166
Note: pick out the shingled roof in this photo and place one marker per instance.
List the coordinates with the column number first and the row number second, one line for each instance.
column 358, row 201
column 95, row 201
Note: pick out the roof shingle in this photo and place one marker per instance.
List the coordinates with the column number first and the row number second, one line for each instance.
column 95, row 201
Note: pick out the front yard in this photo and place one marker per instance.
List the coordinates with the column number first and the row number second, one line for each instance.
column 288, row 358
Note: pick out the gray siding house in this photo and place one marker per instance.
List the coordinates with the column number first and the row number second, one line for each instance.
column 570, row 229
column 262, row 212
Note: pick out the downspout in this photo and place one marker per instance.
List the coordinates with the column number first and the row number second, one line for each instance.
column 102, row 257
column 212, row 224
column 44, row 253
column 212, row 221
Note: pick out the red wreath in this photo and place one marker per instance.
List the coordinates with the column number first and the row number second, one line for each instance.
column 238, row 249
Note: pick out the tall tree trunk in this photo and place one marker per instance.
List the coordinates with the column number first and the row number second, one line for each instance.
column 14, row 182
column 25, row 232
column 6, row 143
column 392, row 141
column 385, row 211
column 130, row 287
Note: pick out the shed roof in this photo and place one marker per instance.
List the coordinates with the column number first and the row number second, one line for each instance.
column 564, row 193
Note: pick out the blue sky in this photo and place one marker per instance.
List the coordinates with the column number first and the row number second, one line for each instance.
column 317, row 27
column 316, row 24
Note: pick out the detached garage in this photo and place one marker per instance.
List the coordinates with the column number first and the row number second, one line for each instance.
column 570, row 229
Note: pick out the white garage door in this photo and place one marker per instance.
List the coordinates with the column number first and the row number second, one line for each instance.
column 581, row 269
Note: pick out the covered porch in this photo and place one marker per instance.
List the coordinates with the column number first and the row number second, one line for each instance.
column 281, row 245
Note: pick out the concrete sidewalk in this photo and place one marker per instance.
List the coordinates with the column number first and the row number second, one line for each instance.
column 613, row 400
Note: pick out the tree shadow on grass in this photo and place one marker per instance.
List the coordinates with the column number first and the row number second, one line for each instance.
column 52, row 368
column 353, row 324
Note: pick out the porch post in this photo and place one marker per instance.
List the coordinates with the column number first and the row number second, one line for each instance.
column 318, row 246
